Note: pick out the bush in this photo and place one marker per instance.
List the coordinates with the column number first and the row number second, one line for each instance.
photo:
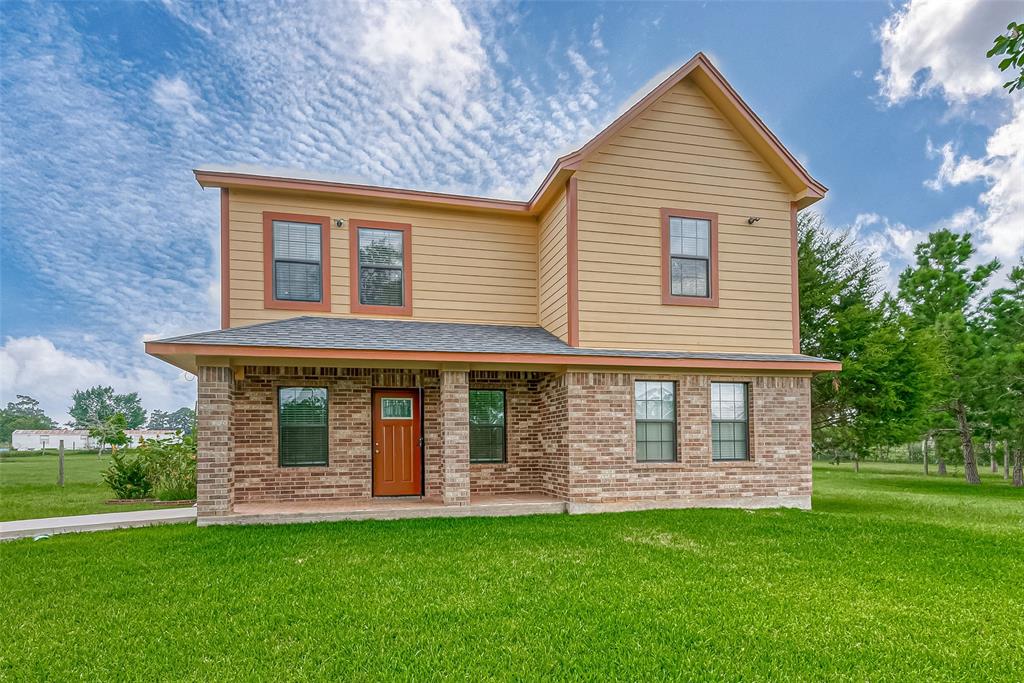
column 160, row 467
column 171, row 466
column 128, row 476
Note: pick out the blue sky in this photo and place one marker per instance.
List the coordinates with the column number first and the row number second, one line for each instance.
column 107, row 240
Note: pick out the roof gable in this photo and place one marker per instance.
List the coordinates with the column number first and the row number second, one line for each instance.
column 703, row 73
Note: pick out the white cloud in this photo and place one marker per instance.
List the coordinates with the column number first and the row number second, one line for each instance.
column 1001, row 169
column 36, row 367
column 423, row 46
column 596, row 41
column 936, row 45
column 178, row 99
column 930, row 47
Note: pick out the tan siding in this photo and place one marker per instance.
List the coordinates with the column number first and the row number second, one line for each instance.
column 682, row 153
column 467, row 266
column 552, row 253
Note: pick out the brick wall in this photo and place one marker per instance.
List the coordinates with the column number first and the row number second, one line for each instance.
column 520, row 473
column 602, row 462
column 257, row 475
column 552, row 414
column 568, row 435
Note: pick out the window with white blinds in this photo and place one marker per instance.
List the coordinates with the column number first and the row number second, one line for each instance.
column 297, row 261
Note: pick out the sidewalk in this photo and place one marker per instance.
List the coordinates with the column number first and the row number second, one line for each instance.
column 110, row 520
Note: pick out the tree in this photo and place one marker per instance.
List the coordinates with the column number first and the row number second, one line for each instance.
column 24, row 413
column 94, row 406
column 1003, row 397
column 110, row 431
column 881, row 395
column 940, row 291
column 1011, row 44
column 181, row 420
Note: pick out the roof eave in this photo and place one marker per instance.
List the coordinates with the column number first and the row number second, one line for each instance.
column 208, row 178
column 188, row 357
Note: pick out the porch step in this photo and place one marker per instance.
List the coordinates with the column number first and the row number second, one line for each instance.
column 293, row 514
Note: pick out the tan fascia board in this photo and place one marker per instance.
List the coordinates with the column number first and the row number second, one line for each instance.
column 207, row 178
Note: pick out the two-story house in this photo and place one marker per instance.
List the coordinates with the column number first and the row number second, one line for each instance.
column 626, row 338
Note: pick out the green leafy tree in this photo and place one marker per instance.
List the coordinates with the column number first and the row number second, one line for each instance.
column 1011, row 44
column 110, row 431
column 881, row 395
column 94, row 406
column 941, row 292
column 181, row 420
column 24, row 413
column 1003, row 395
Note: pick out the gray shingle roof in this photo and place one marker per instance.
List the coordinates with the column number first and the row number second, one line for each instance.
column 313, row 332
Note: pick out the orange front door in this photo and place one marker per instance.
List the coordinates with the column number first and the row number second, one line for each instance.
column 397, row 456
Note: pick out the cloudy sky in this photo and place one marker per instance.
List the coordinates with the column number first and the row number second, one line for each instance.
column 107, row 240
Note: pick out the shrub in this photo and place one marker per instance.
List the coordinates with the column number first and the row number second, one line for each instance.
column 128, row 476
column 171, row 466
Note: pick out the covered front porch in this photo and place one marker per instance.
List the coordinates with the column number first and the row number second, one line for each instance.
column 378, row 443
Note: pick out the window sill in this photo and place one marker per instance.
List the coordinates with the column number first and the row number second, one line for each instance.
column 670, row 465
column 674, row 300
column 694, row 466
column 749, row 462
column 286, row 305
column 381, row 310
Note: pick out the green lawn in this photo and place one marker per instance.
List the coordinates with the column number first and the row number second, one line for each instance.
column 891, row 577
column 28, row 486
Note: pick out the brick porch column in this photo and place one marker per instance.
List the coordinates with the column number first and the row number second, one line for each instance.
column 213, row 466
column 454, row 409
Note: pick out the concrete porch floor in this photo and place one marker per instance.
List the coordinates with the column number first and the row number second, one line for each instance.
column 387, row 508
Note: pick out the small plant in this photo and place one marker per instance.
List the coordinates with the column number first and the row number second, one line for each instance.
column 128, row 476
column 171, row 466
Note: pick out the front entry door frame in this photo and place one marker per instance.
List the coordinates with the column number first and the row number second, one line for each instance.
column 381, row 489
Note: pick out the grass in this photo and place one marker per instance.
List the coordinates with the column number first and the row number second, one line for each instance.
column 28, row 486
column 891, row 577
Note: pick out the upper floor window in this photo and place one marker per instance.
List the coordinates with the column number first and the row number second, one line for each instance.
column 381, row 268
column 689, row 257
column 296, row 261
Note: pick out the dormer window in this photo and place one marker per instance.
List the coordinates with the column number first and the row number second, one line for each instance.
column 689, row 257
column 296, row 262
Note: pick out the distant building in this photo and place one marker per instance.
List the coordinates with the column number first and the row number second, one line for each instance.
column 77, row 439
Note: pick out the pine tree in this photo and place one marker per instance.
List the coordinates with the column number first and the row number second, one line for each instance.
column 941, row 293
